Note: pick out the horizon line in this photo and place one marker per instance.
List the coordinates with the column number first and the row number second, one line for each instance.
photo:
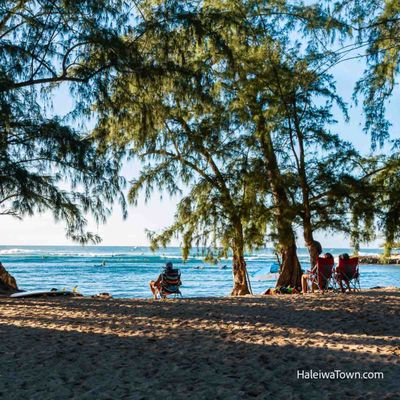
column 140, row 245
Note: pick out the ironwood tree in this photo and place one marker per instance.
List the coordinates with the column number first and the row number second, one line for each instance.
column 46, row 162
column 223, row 51
column 176, row 121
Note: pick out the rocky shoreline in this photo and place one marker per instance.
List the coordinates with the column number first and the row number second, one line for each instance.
column 394, row 260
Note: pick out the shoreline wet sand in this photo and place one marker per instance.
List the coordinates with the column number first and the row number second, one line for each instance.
column 203, row 348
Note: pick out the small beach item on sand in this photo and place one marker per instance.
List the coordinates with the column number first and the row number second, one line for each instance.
column 270, row 292
column 104, row 295
column 287, row 290
column 281, row 290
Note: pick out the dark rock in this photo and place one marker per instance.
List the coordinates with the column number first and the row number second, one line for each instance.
column 8, row 284
column 369, row 260
column 378, row 260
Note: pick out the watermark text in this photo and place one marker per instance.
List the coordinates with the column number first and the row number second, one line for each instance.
column 338, row 374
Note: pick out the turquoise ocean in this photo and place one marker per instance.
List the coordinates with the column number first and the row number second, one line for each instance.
column 126, row 271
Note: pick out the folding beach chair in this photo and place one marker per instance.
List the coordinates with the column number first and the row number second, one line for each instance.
column 323, row 276
column 348, row 271
column 170, row 283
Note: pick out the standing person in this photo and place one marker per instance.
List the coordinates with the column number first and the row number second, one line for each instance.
column 315, row 251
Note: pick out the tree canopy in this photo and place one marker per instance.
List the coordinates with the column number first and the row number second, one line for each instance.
column 46, row 163
column 231, row 105
column 227, row 77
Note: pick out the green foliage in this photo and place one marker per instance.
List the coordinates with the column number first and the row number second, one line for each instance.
column 226, row 104
column 52, row 42
column 224, row 78
column 44, row 163
column 373, row 30
column 387, row 198
column 40, row 159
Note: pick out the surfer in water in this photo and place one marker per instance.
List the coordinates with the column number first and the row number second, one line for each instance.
column 103, row 264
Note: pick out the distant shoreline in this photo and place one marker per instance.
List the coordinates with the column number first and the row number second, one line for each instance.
column 379, row 259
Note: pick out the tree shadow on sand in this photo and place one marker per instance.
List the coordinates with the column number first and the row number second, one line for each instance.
column 197, row 349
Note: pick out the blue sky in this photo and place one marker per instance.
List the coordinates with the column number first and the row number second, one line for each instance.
column 158, row 213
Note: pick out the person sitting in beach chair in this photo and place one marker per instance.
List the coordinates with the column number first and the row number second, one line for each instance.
column 167, row 283
column 321, row 276
column 347, row 271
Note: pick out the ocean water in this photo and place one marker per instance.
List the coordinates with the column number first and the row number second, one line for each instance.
column 128, row 270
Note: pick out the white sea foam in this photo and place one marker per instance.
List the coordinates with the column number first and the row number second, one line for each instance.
column 18, row 251
column 178, row 255
column 264, row 256
column 72, row 253
column 366, row 253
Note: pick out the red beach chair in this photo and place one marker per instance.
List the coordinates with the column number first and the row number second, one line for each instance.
column 323, row 276
column 348, row 271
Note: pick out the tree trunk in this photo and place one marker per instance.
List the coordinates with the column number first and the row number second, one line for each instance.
column 240, row 284
column 314, row 247
column 387, row 249
column 290, row 275
column 8, row 283
column 290, row 269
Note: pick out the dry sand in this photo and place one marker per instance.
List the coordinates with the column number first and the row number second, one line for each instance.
column 223, row 348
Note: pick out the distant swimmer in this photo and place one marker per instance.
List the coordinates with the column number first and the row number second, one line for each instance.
column 198, row 267
column 103, row 264
column 223, row 267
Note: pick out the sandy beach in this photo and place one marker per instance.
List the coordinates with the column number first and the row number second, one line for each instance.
column 214, row 348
